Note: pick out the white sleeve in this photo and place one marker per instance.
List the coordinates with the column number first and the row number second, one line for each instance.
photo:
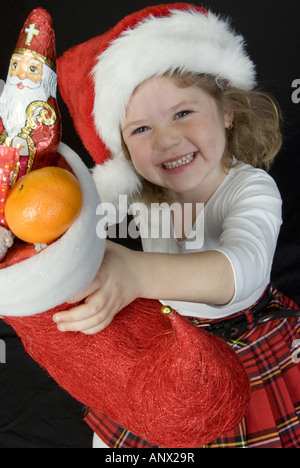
column 250, row 232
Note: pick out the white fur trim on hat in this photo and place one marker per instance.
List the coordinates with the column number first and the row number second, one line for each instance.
column 187, row 40
column 114, row 177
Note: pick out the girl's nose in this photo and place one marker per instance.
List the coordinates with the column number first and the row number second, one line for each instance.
column 166, row 138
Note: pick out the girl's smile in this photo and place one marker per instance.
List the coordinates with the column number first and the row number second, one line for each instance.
column 176, row 138
column 176, row 163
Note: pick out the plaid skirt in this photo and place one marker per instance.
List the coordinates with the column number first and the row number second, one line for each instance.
column 266, row 338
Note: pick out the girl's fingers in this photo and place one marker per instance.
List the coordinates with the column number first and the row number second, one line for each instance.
column 80, row 325
column 87, row 311
column 99, row 328
column 90, row 317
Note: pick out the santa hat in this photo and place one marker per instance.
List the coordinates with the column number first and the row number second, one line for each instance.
column 97, row 78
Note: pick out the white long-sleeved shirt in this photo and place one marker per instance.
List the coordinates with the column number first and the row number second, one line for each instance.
column 242, row 219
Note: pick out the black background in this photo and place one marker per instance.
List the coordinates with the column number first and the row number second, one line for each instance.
column 34, row 412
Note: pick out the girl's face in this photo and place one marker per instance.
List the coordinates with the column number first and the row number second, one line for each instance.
column 176, row 138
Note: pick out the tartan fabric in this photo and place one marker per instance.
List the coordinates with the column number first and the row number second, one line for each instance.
column 270, row 353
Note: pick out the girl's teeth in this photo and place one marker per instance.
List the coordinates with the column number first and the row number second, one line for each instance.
column 180, row 162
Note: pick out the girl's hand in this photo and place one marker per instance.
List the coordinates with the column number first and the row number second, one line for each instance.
column 114, row 287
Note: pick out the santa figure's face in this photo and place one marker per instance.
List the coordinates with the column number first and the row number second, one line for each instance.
column 28, row 80
column 25, row 71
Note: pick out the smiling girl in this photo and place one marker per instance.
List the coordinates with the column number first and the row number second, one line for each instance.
column 175, row 105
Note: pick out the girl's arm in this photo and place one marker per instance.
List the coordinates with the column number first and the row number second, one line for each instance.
column 126, row 275
column 203, row 277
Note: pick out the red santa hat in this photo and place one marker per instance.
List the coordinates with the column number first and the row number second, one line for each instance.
column 37, row 38
column 97, row 78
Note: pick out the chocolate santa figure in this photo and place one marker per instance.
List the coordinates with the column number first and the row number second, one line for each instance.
column 29, row 113
column 29, row 116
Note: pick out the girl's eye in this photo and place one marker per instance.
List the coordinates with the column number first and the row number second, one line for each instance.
column 182, row 114
column 140, row 130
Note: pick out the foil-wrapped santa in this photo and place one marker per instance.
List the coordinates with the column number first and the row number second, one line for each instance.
column 30, row 123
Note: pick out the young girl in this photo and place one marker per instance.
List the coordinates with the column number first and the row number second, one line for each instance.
column 179, row 121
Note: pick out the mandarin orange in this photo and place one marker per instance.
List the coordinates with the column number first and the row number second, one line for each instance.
column 43, row 204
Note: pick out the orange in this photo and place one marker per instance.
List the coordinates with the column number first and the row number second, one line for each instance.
column 43, row 204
